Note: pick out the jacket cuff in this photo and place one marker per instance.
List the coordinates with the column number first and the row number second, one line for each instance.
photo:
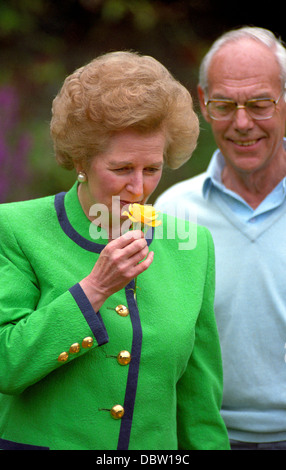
column 93, row 318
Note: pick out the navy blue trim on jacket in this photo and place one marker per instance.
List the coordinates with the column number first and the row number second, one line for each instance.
column 93, row 319
column 11, row 445
column 69, row 230
column 132, row 379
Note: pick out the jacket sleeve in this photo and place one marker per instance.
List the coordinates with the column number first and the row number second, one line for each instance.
column 36, row 339
column 200, row 425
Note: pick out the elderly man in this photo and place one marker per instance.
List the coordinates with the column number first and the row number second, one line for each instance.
column 241, row 198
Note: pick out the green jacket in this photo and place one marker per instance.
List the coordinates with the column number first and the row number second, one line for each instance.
column 61, row 372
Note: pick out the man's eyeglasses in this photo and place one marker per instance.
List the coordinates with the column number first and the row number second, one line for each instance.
column 259, row 109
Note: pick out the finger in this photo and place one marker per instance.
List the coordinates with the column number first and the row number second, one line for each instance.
column 141, row 267
column 138, row 256
column 128, row 238
column 135, row 248
column 126, row 257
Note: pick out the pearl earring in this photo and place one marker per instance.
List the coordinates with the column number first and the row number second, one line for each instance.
column 81, row 177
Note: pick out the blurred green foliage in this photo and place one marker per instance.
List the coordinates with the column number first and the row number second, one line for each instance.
column 42, row 41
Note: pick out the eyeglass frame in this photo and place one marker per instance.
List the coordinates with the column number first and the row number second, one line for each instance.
column 243, row 106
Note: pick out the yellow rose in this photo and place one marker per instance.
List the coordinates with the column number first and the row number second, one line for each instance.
column 145, row 215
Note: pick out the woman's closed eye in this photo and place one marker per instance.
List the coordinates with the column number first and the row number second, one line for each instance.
column 148, row 170
column 124, row 169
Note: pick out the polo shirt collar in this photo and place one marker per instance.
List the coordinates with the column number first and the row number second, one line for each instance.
column 213, row 173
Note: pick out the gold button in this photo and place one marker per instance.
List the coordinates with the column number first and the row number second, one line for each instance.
column 63, row 357
column 87, row 342
column 122, row 310
column 75, row 347
column 123, row 358
column 117, row 412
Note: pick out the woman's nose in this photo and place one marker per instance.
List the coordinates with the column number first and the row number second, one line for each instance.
column 135, row 184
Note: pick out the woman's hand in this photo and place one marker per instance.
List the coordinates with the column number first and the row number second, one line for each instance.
column 116, row 266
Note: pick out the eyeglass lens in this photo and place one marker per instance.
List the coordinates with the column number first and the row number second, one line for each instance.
column 258, row 109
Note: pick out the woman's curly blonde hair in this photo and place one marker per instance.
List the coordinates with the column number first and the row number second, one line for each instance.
column 118, row 91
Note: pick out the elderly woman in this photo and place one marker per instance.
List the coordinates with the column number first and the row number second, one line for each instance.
column 107, row 337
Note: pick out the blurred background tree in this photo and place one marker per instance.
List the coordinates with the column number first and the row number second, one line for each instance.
column 42, row 41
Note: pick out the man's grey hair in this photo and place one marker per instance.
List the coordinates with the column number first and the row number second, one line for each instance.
column 262, row 35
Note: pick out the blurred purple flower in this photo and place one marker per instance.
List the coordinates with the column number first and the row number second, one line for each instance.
column 14, row 145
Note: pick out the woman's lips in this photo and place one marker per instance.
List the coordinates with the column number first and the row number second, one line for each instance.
column 127, row 203
column 124, row 205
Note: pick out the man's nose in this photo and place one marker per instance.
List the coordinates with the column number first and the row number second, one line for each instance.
column 242, row 120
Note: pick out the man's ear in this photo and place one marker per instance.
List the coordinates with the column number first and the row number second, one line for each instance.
column 201, row 95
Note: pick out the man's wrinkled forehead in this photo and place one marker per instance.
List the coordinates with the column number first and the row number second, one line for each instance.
column 244, row 63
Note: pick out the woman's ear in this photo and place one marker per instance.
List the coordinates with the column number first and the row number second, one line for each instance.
column 81, row 174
